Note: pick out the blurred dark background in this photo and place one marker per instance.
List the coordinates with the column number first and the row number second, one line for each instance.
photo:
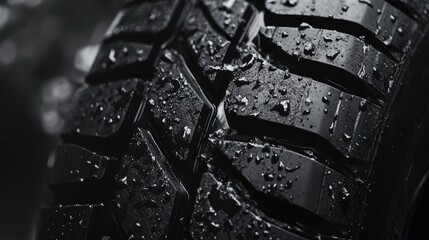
column 46, row 47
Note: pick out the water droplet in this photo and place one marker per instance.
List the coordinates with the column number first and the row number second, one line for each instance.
column 347, row 138
column 296, row 54
column 361, row 72
column 327, row 39
column 186, row 133
column 255, row 114
column 283, row 90
column 275, row 158
column 169, row 56
column 304, row 25
column 344, row 193
column 332, row 55
column 367, row 2
column 282, row 107
column 285, row 34
column 269, row 177
column 290, row 3
column 112, row 57
column 242, row 100
column 292, row 169
column 363, row 105
column 281, row 166
column 325, row 100
column 309, row 48
column 140, row 52
column 331, row 128
column 241, row 81
column 388, row 40
column 258, row 160
column 124, row 180
column 154, row 14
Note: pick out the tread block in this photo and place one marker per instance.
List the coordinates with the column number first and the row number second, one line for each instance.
column 78, row 222
column 175, row 106
column 151, row 18
column 287, row 103
column 76, row 164
column 226, row 14
column 207, row 47
column 221, row 213
column 380, row 19
column 100, row 111
column 149, row 198
column 342, row 51
column 121, row 58
column 295, row 179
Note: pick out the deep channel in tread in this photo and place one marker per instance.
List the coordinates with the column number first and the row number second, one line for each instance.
column 210, row 52
column 222, row 214
column 325, row 123
column 294, row 180
column 310, row 223
column 301, row 110
column 178, row 125
column 325, row 158
column 329, row 56
column 359, row 18
column 320, row 72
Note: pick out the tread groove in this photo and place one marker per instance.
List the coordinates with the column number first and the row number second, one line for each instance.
column 343, row 26
column 205, row 120
column 303, row 150
column 277, row 209
column 296, row 129
column 196, row 71
column 303, row 138
column 321, row 72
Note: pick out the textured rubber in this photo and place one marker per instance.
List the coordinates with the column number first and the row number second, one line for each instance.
column 231, row 119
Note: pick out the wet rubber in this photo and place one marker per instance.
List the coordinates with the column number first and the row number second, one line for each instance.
column 231, row 119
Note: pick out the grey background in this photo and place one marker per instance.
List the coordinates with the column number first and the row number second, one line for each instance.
column 46, row 46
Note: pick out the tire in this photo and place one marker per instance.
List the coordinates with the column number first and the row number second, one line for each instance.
column 245, row 120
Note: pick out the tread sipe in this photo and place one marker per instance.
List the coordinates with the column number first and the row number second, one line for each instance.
column 231, row 119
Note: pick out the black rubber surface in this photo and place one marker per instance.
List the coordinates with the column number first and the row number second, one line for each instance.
column 231, row 119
